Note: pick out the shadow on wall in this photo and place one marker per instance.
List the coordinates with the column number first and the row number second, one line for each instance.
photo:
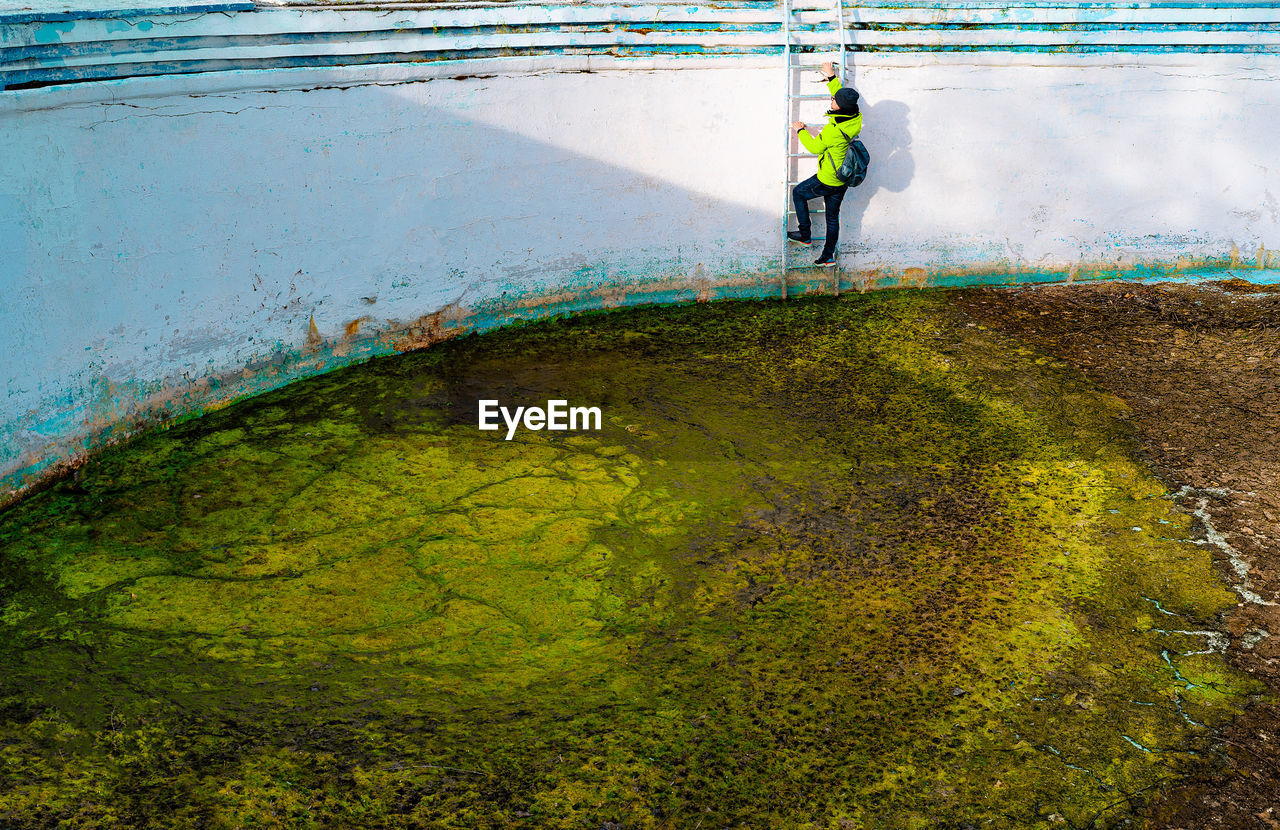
column 887, row 136
column 1074, row 165
column 231, row 243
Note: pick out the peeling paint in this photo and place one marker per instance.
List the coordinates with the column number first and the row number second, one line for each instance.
column 129, row 408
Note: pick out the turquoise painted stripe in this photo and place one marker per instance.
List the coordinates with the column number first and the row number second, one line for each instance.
column 13, row 16
column 17, row 78
column 113, row 41
column 44, row 77
column 51, row 54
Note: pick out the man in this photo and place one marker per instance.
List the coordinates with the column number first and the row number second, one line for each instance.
column 844, row 122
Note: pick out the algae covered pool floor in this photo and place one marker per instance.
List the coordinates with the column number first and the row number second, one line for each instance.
column 851, row 563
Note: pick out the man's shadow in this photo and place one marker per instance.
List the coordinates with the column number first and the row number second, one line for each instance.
column 887, row 136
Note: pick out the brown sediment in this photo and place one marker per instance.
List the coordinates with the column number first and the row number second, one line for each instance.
column 1198, row 369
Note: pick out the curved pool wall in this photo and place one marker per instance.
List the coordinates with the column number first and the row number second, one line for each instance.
column 201, row 202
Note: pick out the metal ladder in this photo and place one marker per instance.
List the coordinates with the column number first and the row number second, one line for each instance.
column 807, row 27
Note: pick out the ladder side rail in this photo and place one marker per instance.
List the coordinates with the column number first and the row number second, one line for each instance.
column 835, row 275
column 786, row 150
column 844, row 45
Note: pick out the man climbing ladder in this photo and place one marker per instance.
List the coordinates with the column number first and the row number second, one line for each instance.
column 844, row 122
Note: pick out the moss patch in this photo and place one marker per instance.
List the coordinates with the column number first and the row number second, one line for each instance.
column 854, row 563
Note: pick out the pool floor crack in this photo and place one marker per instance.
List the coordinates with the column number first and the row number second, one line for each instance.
column 1056, row 753
column 1215, row 538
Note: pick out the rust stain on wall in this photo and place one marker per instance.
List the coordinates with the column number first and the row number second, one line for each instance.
column 353, row 328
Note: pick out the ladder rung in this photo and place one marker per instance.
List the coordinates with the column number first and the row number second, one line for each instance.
column 791, row 212
column 801, row 156
column 807, row 97
column 817, row 239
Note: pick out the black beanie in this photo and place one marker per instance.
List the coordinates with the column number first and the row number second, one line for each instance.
column 847, row 100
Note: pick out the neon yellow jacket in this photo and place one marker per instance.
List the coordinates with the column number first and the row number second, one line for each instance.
column 830, row 144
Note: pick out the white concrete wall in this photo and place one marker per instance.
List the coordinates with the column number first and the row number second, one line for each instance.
column 1075, row 162
column 167, row 242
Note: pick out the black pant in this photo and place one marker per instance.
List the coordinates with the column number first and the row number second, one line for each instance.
column 811, row 188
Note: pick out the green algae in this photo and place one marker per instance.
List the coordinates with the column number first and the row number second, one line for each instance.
column 853, row 563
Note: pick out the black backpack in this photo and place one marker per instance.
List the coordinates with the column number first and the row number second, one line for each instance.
column 853, row 170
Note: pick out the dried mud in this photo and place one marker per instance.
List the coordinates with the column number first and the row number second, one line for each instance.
column 1197, row 367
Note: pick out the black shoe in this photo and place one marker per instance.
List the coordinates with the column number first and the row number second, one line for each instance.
column 796, row 236
column 826, row 261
